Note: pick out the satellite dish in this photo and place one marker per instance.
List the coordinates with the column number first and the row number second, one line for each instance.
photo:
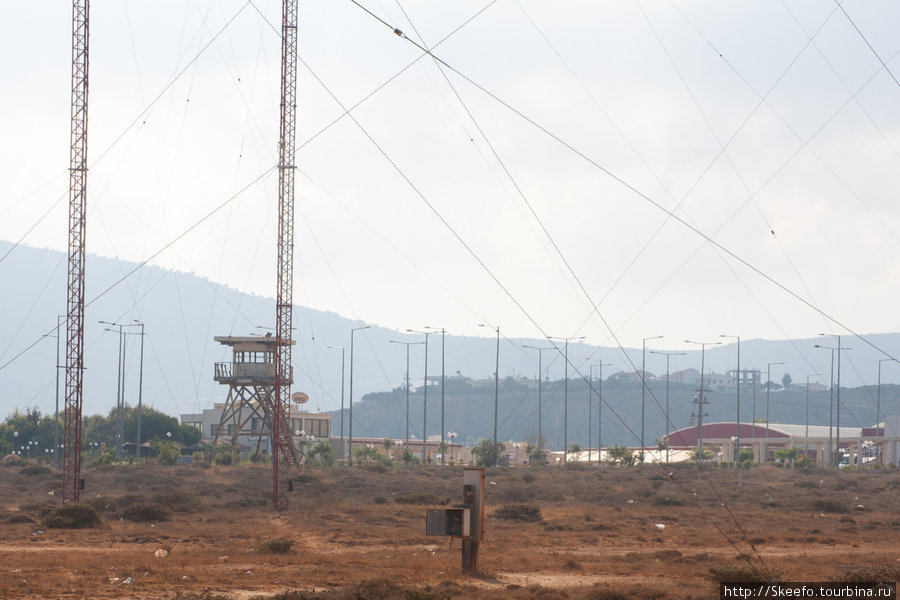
column 300, row 398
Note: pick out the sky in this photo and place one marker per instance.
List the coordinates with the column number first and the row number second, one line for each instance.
column 613, row 170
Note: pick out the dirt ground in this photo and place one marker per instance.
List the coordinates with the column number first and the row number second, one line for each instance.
column 359, row 532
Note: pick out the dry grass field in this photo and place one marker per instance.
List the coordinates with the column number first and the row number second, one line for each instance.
column 358, row 533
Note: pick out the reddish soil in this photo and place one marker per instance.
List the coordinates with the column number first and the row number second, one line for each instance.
column 354, row 538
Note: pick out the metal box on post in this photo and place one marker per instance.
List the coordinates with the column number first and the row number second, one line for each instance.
column 455, row 522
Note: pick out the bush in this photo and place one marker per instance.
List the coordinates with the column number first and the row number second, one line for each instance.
column 18, row 519
column 830, row 505
column 276, row 546
column 518, row 512
column 144, row 512
column 101, row 504
column 741, row 573
column 176, row 500
column 420, row 498
column 32, row 470
column 71, row 516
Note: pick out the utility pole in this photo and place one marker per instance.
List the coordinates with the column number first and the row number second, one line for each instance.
column 496, row 378
column 644, row 384
column 565, row 394
column 443, row 381
column 701, row 397
column 71, row 484
column 341, row 348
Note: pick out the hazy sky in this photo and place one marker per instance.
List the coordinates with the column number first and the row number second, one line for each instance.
column 770, row 128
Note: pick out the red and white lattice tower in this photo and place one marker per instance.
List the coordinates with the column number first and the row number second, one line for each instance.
column 75, row 295
column 285, row 455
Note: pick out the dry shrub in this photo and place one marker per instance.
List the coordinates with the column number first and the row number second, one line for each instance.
column 71, row 516
column 32, row 470
column 625, row 592
column 667, row 501
column 17, row 519
column 145, row 512
column 741, row 573
column 518, row 512
column 420, row 498
column 830, row 505
column 276, row 546
column 880, row 573
column 101, row 504
column 177, row 500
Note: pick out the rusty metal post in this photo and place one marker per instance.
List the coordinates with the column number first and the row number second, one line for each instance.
column 473, row 499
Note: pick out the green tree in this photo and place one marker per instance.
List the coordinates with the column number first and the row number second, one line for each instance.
column 707, row 454
column 786, row 381
column 408, row 456
column 621, row 455
column 788, row 454
column 488, row 453
column 167, row 452
column 322, row 453
column 223, row 454
column 365, row 453
column 535, row 454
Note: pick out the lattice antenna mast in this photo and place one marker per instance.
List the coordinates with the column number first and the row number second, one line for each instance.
column 284, row 457
column 75, row 295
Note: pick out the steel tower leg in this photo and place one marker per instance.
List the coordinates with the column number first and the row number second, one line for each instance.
column 75, row 296
column 284, row 455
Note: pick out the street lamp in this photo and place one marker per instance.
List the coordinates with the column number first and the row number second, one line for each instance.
column 352, row 331
column 566, row 394
column 701, row 399
column 878, row 398
column 768, row 386
column 644, row 384
column 835, row 448
column 407, row 344
column 424, row 394
column 737, row 385
column 668, row 422
column 120, row 382
column 838, row 399
column 540, row 399
column 443, row 335
column 601, row 364
column 341, row 348
column 496, row 377
column 452, row 436
column 806, row 445
column 830, row 406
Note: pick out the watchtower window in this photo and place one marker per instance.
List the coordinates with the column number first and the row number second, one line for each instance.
column 245, row 356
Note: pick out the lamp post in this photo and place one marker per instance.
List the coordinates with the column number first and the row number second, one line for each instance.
column 341, row 348
column 878, row 398
column 668, row 422
column 443, row 335
column 599, row 411
column 644, row 384
column 806, row 445
column 830, row 406
column 425, row 395
column 140, row 393
column 119, row 385
column 540, row 399
column 407, row 344
column 496, row 378
column 452, row 436
column 737, row 385
column 701, row 400
column 59, row 319
column 120, row 382
column 768, row 386
column 352, row 331
column 566, row 395
column 837, row 410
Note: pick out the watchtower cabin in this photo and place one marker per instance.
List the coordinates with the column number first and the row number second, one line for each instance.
column 250, row 377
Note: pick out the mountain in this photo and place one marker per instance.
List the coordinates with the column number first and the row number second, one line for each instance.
column 183, row 312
